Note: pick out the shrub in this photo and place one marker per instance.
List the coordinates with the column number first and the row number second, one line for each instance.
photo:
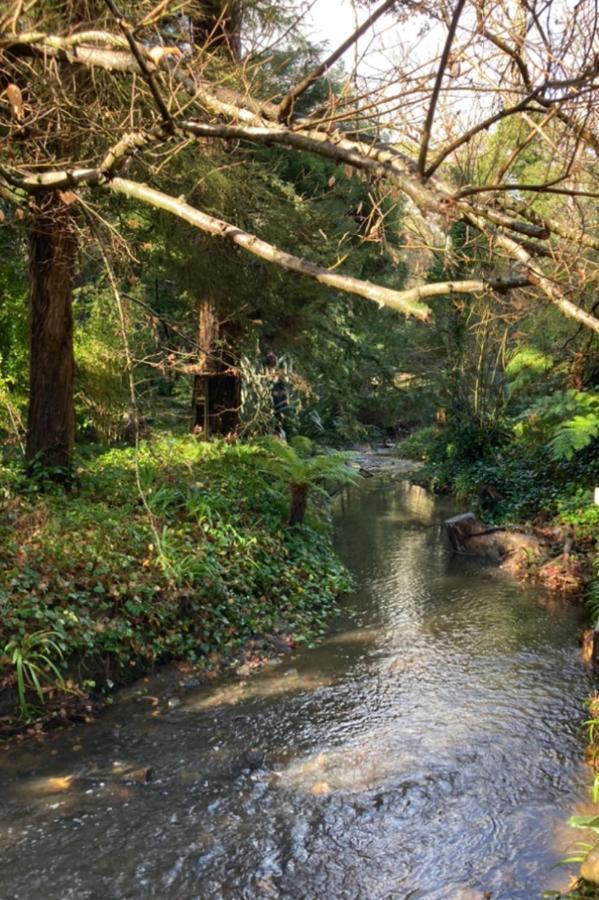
column 420, row 444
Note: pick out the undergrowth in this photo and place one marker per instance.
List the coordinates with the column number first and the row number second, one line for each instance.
column 202, row 565
column 505, row 480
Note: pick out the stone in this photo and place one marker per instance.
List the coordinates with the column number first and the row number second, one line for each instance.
column 460, row 528
column 589, row 869
column 253, row 758
column 320, row 789
column 142, row 775
column 173, row 702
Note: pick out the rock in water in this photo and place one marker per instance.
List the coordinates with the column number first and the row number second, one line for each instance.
column 143, row 775
column 254, row 759
column 589, row 870
column 460, row 528
column 320, row 789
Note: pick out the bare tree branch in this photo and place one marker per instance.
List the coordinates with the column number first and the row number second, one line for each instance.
column 428, row 124
column 286, row 105
column 167, row 121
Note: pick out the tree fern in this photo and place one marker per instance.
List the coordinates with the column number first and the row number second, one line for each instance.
column 302, row 473
column 568, row 421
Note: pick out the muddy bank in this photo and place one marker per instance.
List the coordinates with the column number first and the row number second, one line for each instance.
column 542, row 555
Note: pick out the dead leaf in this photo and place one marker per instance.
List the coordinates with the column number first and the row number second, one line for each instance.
column 67, row 197
column 15, row 98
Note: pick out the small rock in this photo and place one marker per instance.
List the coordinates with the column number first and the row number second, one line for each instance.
column 193, row 683
column 320, row 789
column 173, row 702
column 143, row 775
column 254, row 759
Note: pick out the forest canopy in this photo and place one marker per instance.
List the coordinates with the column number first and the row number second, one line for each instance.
column 173, row 167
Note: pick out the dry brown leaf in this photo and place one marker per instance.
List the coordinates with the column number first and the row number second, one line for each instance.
column 15, row 98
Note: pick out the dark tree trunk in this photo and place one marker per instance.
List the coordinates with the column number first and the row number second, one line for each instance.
column 298, row 498
column 217, row 386
column 51, row 418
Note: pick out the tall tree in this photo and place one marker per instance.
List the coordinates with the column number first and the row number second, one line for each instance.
column 216, row 393
column 52, row 249
column 216, row 396
column 150, row 95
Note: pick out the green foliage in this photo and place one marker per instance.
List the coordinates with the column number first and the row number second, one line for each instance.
column 589, row 823
column 13, row 308
column 420, row 444
column 101, row 394
column 31, row 656
column 592, row 598
column 296, row 470
column 579, row 510
column 302, row 445
column 291, row 463
column 13, row 332
column 568, row 420
column 532, row 484
column 525, row 368
column 211, row 567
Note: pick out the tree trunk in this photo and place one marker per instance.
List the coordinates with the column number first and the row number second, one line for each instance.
column 298, row 498
column 51, row 418
column 217, row 386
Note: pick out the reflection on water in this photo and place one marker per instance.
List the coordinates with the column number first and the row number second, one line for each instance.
column 430, row 747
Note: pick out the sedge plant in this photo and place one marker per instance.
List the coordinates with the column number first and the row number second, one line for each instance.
column 33, row 664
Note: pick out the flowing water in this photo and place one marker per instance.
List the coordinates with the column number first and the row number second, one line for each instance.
column 430, row 747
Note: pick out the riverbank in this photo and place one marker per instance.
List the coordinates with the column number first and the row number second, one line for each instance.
column 521, row 490
column 176, row 552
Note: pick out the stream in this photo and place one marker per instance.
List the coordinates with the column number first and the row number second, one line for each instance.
column 430, row 747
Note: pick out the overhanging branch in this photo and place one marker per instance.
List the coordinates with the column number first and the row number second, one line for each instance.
column 406, row 302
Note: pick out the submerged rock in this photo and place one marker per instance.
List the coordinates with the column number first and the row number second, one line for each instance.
column 320, row 789
column 173, row 702
column 140, row 775
column 253, row 758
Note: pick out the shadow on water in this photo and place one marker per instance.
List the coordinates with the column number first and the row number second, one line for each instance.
column 430, row 747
